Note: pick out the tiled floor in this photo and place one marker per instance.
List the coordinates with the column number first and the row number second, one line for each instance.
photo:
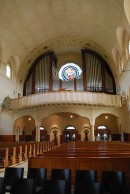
column 22, row 164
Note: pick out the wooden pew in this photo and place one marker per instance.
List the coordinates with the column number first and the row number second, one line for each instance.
column 11, row 155
column 3, row 157
column 15, row 152
column 86, row 155
column 18, row 154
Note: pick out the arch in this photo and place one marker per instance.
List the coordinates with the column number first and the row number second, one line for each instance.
column 128, row 47
column 121, row 34
column 127, row 10
column 116, row 57
column 55, row 136
column 14, row 63
column 83, row 131
column 112, row 123
column 61, row 120
column 53, row 44
column 24, row 126
column 97, row 76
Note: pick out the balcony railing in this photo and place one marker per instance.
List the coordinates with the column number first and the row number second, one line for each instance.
column 66, row 97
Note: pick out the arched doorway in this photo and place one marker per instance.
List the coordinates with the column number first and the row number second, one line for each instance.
column 70, row 134
column 102, row 133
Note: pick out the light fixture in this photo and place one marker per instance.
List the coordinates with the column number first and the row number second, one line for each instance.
column 106, row 117
column 71, row 116
column 29, row 118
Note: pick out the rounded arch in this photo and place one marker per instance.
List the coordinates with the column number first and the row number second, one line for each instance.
column 121, row 37
column 116, row 57
column 60, row 120
column 14, row 59
column 110, row 111
column 14, row 63
column 63, row 119
column 85, row 133
column 112, row 123
column 55, row 135
column 24, row 125
column 127, row 10
column 54, row 128
column 70, row 127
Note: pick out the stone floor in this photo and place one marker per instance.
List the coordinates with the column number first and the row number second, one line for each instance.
column 22, row 164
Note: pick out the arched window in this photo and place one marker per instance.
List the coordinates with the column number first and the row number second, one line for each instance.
column 70, row 75
column 101, row 127
column 70, row 127
column 69, row 71
column 8, row 71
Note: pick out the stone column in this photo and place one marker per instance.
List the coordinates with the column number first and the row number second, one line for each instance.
column 92, row 135
column 37, row 132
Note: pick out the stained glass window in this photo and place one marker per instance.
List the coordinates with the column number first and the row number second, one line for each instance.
column 69, row 71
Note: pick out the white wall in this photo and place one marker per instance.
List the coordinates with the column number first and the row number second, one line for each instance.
column 6, row 122
column 7, row 88
column 124, row 80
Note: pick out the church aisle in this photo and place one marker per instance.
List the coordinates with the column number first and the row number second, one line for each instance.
column 20, row 165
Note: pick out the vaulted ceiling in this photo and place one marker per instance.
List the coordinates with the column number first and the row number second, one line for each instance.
column 30, row 27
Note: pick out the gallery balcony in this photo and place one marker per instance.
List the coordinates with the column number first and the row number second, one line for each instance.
column 66, row 98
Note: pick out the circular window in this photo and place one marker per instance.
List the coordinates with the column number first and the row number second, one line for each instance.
column 69, row 72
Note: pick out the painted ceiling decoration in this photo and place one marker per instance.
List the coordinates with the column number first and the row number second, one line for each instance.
column 59, row 45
